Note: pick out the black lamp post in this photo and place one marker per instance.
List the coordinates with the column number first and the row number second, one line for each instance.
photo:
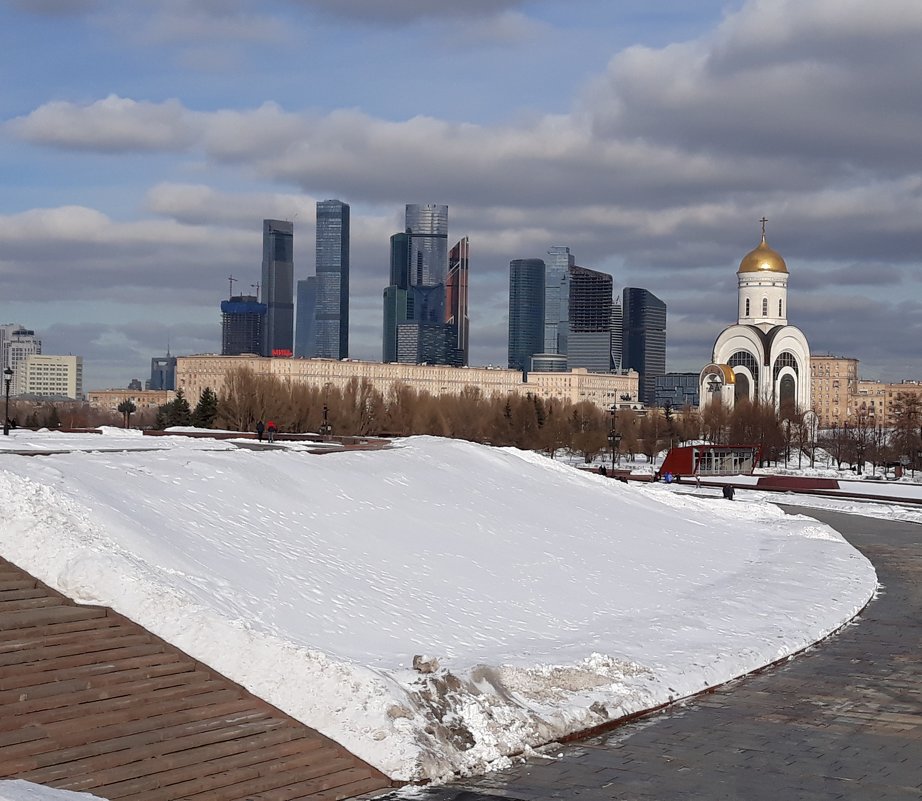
column 325, row 428
column 614, row 439
column 7, row 377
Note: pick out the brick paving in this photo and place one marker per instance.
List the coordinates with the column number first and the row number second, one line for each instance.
column 841, row 721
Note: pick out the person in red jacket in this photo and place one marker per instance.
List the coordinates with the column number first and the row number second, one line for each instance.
column 270, row 430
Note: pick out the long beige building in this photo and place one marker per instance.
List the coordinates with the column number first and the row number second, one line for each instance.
column 194, row 373
column 142, row 398
column 47, row 376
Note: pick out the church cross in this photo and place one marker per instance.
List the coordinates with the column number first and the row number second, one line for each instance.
column 763, row 221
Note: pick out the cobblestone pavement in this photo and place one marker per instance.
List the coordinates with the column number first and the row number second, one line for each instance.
column 840, row 721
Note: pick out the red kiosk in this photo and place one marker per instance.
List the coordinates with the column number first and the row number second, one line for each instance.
column 711, row 460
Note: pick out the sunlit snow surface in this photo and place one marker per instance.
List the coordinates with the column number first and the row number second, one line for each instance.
column 16, row 790
column 553, row 600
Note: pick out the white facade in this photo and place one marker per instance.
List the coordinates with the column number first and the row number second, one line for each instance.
column 16, row 343
column 49, row 377
column 761, row 357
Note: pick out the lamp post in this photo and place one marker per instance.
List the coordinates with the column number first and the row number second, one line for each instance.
column 614, row 438
column 325, row 428
column 7, row 377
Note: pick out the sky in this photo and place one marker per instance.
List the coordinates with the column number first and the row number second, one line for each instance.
column 547, row 600
column 142, row 144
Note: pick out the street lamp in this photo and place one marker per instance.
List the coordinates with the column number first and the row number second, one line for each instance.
column 7, row 377
column 325, row 428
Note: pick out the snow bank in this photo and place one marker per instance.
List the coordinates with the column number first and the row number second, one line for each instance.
column 543, row 600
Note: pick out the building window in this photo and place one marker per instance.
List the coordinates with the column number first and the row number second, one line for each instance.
column 747, row 307
column 765, row 307
column 780, row 314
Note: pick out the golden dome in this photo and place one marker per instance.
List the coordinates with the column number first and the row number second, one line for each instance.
column 762, row 260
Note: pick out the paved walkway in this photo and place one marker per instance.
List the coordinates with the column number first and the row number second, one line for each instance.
column 841, row 721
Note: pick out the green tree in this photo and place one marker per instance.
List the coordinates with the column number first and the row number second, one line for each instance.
column 127, row 408
column 206, row 410
column 174, row 413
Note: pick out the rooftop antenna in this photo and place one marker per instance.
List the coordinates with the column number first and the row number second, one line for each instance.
column 232, row 281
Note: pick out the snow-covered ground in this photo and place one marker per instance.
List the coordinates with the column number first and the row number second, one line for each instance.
column 544, row 599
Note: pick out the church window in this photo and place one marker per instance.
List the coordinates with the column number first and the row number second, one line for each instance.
column 743, row 358
column 765, row 307
column 779, row 308
column 747, row 308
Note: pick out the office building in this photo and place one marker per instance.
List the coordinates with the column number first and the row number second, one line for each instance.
column 426, row 292
column 457, row 322
column 278, row 287
column 162, row 372
column 589, row 320
column 330, row 330
column 644, row 338
column 44, row 376
column 557, row 299
column 395, row 295
column 17, row 344
column 617, row 338
column 526, row 311
column 242, row 318
column 677, row 390
column 427, row 226
column 305, row 343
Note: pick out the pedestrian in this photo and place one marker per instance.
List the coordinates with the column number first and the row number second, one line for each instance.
column 602, row 470
column 271, row 429
column 728, row 492
column 259, row 429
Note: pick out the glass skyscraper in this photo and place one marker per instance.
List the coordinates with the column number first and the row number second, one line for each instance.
column 589, row 325
column 305, row 347
column 526, row 311
column 242, row 318
column 425, row 305
column 557, row 299
column 457, row 322
column 331, row 311
column 278, row 287
column 644, row 339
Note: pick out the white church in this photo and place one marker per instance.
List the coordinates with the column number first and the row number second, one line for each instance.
column 761, row 357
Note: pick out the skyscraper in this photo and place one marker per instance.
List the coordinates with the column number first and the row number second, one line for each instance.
column 526, row 311
column 425, row 309
column 305, row 344
column 331, row 312
column 278, row 287
column 427, row 226
column 616, row 334
column 457, row 323
column 242, row 318
column 644, row 343
column 589, row 324
column 557, row 299
column 395, row 295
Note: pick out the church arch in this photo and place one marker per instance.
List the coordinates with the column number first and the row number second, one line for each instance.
column 741, row 388
column 749, row 370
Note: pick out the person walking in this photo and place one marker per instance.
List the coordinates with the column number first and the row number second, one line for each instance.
column 271, row 429
column 259, row 429
column 728, row 492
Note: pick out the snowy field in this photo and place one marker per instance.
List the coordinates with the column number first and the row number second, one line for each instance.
column 544, row 599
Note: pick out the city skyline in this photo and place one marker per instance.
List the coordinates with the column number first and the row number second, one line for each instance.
column 135, row 177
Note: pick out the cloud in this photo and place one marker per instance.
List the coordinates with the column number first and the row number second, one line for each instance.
column 114, row 125
column 398, row 12
column 56, row 7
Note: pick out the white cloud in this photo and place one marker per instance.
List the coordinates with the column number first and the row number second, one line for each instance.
column 114, row 124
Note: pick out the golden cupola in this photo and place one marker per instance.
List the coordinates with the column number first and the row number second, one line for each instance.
column 762, row 260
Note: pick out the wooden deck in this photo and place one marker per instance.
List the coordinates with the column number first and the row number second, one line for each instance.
column 92, row 702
